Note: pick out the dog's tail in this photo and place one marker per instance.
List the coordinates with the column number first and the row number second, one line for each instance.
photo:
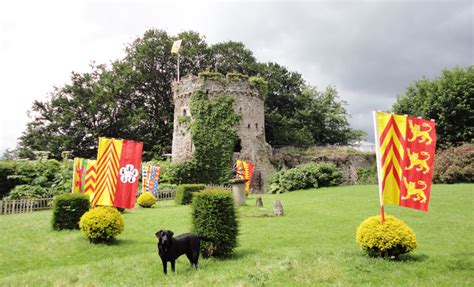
column 205, row 238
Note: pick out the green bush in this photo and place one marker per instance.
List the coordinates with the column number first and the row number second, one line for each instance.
column 389, row 240
column 35, row 179
column 7, row 169
column 214, row 216
column 167, row 187
column 68, row 209
column 146, row 199
column 455, row 165
column 26, row 191
column 310, row 175
column 102, row 224
column 183, row 172
column 367, row 175
column 184, row 193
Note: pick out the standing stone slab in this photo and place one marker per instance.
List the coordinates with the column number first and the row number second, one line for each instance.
column 238, row 191
column 277, row 208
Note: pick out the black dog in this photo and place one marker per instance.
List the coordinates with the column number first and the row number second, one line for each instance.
column 170, row 248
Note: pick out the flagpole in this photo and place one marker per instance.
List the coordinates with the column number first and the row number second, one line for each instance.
column 379, row 166
column 178, row 66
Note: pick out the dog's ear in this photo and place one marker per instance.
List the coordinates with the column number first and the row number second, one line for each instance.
column 158, row 234
column 170, row 233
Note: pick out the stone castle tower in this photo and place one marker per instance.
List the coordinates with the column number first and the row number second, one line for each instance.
column 251, row 145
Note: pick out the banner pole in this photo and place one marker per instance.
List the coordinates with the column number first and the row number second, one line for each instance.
column 178, row 67
column 74, row 174
column 379, row 166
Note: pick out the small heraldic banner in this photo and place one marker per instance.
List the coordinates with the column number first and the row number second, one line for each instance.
column 405, row 154
column 245, row 171
column 176, row 46
column 150, row 178
column 84, row 176
column 118, row 164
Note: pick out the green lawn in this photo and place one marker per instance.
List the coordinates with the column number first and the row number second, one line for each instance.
column 313, row 244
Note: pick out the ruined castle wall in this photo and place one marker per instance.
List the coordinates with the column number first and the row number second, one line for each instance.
column 251, row 128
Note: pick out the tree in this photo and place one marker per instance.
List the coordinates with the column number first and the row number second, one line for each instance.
column 327, row 118
column 9, row 154
column 69, row 118
column 132, row 99
column 233, row 57
column 446, row 99
column 297, row 114
column 280, row 105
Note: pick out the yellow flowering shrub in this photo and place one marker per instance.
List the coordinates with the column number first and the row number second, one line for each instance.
column 391, row 239
column 102, row 224
column 146, row 199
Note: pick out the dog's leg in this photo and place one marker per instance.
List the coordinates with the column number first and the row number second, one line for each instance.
column 196, row 262
column 165, row 266
column 193, row 258
column 190, row 258
column 196, row 258
column 172, row 265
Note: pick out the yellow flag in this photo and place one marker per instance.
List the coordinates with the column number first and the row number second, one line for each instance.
column 391, row 130
column 176, row 46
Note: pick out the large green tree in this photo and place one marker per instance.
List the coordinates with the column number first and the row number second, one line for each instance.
column 448, row 100
column 132, row 98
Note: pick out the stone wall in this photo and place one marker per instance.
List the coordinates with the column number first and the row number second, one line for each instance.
column 251, row 128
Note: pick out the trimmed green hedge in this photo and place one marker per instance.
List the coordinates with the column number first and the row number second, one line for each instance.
column 68, row 209
column 214, row 216
column 184, row 192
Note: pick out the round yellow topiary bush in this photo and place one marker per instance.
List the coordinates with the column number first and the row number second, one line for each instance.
column 102, row 224
column 146, row 199
column 391, row 239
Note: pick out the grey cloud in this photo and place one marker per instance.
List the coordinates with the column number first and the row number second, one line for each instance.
column 371, row 51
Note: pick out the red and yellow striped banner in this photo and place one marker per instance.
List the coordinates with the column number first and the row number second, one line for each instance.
column 118, row 162
column 405, row 155
column 84, row 175
column 245, row 171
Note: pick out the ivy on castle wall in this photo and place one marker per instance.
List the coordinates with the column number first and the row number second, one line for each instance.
column 260, row 84
column 214, row 136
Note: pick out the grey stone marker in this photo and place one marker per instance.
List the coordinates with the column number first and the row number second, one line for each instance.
column 277, row 208
column 238, row 190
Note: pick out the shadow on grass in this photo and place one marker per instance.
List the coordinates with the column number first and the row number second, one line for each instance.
column 122, row 242
column 402, row 258
column 412, row 258
column 241, row 253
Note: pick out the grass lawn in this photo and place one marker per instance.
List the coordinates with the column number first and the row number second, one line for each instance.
column 313, row 244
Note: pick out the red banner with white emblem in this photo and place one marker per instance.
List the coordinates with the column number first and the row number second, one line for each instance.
column 118, row 162
column 128, row 175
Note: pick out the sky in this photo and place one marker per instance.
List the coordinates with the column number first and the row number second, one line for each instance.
column 369, row 50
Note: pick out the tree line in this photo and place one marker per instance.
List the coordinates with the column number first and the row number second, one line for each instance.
column 132, row 98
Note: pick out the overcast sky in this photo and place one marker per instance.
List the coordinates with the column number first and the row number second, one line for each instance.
column 370, row 50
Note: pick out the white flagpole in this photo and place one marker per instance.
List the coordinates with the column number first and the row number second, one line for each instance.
column 379, row 165
column 178, row 66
